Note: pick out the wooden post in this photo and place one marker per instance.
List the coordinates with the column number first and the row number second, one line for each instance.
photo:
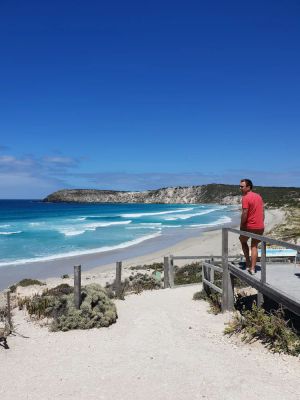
column 118, row 278
column 227, row 281
column 263, row 276
column 7, row 292
column 212, row 272
column 171, row 271
column 166, row 273
column 77, row 286
column 206, row 275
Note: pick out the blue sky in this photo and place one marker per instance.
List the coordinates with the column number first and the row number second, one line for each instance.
column 134, row 95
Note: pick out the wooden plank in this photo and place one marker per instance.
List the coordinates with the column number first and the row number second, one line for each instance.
column 227, row 281
column 77, row 286
column 9, row 319
column 266, row 239
column 205, row 277
column 166, row 273
column 282, row 298
column 193, row 257
column 171, row 271
column 260, row 296
column 118, row 282
column 212, row 285
column 212, row 266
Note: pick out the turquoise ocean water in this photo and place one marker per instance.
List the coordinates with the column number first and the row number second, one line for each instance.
column 36, row 231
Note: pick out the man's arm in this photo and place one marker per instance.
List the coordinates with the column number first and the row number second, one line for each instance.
column 244, row 218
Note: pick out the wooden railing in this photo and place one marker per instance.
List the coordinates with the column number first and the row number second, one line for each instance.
column 230, row 270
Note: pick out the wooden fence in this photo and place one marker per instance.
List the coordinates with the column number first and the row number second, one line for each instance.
column 264, row 289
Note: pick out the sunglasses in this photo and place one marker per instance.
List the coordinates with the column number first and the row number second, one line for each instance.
column 242, row 187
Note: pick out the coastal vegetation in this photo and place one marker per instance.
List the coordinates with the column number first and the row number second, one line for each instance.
column 136, row 283
column 213, row 299
column 271, row 328
column 190, row 273
column 57, row 305
column 290, row 229
column 25, row 282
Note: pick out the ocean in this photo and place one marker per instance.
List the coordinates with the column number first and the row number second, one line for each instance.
column 32, row 231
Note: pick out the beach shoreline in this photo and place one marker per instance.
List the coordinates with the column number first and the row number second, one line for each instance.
column 101, row 268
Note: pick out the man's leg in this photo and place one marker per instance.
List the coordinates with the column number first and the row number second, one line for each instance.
column 245, row 247
column 254, row 251
column 254, row 244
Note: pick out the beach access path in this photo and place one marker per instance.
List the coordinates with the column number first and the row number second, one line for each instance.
column 164, row 346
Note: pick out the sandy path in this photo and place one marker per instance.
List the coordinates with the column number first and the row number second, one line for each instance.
column 163, row 346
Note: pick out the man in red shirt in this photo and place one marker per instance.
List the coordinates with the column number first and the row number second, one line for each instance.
column 252, row 220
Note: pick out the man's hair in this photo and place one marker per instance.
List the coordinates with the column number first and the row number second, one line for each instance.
column 248, row 182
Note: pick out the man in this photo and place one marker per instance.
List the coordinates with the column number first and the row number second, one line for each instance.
column 252, row 220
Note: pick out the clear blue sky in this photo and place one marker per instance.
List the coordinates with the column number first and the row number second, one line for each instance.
column 133, row 95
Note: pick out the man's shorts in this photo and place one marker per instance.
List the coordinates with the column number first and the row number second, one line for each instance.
column 244, row 239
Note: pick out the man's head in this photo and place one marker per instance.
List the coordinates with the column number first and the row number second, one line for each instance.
column 246, row 186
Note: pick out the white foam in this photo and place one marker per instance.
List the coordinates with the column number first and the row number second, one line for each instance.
column 82, row 252
column 172, row 226
column 5, row 226
column 138, row 215
column 72, row 231
column 10, row 233
column 220, row 221
column 187, row 216
column 96, row 225
column 35, row 223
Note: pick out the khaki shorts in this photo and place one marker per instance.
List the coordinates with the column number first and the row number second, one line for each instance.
column 244, row 239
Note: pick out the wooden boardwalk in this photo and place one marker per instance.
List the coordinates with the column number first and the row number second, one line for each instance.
column 282, row 283
column 278, row 281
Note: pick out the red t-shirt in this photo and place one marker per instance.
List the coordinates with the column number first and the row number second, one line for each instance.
column 254, row 203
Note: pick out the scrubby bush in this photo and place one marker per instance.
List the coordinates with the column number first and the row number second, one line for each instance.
column 25, row 282
column 154, row 266
column 134, row 284
column 214, row 300
column 139, row 282
column 270, row 328
column 96, row 309
column 3, row 313
column 59, row 290
column 190, row 273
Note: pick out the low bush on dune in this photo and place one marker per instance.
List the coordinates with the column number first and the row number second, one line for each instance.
column 154, row 266
column 272, row 329
column 3, row 314
column 214, row 300
column 96, row 309
column 24, row 283
column 134, row 284
column 190, row 273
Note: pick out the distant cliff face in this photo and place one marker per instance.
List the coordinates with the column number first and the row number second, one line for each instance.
column 223, row 194
column 213, row 193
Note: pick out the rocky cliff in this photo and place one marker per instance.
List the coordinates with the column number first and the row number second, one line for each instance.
column 213, row 193
column 223, row 194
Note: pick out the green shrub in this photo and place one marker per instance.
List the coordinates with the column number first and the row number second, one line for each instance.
column 59, row 290
column 134, row 284
column 190, row 273
column 154, row 266
column 270, row 328
column 214, row 300
column 96, row 309
column 3, row 313
column 65, row 276
column 24, row 283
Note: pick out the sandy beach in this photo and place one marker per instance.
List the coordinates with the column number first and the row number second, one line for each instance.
column 164, row 346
